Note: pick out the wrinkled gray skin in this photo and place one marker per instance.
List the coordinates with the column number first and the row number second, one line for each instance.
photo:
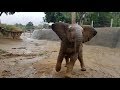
column 72, row 37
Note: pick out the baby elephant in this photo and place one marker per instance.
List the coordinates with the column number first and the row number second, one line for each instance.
column 72, row 37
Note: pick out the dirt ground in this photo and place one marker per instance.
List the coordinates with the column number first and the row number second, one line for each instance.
column 30, row 58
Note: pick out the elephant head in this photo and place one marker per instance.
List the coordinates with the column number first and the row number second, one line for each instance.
column 67, row 32
column 88, row 33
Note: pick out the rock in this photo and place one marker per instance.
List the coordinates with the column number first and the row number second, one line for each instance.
column 54, row 51
column 14, row 48
column 36, row 44
column 7, row 54
column 21, row 48
column 6, row 73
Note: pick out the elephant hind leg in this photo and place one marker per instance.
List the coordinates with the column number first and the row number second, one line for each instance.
column 67, row 60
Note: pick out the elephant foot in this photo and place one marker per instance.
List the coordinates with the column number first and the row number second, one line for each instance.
column 68, row 72
column 68, row 75
column 58, row 68
column 83, row 69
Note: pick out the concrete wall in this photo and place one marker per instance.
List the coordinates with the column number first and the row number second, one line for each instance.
column 118, row 43
column 47, row 34
column 108, row 37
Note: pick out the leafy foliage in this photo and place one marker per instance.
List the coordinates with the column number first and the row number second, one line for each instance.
column 54, row 17
column 62, row 16
column 20, row 26
column 29, row 26
column 10, row 27
column 100, row 19
column 116, row 19
column 6, row 29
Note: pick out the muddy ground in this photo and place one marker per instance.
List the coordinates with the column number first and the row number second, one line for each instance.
column 30, row 58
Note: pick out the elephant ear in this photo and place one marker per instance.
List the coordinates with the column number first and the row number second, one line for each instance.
column 60, row 29
column 88, row 33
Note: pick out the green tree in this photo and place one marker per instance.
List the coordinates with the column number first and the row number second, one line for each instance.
column 20, row 26
column 54, row 17
column 116, row 19
column 29, row 26
column 101, row 19
column 67, row 17
column 62, row 16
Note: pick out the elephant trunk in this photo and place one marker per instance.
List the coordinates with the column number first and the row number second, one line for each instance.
column 78, row 37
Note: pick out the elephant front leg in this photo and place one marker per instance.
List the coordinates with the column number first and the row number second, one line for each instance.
column 80, row 58
column 59, row 62
column 70, row 65
column 60, row 56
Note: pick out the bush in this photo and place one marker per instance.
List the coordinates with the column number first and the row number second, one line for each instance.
column 10, row 27
column 10, row 31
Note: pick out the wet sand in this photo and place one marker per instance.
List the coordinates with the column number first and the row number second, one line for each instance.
column 30, row 58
